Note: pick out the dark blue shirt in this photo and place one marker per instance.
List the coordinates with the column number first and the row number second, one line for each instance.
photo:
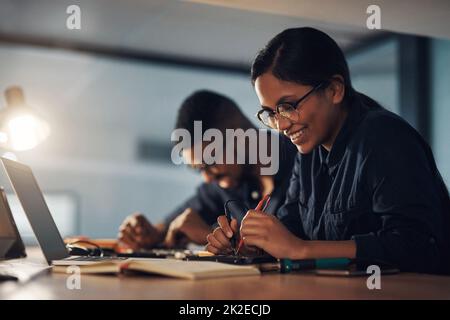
column 379, row 186
column 210, row 198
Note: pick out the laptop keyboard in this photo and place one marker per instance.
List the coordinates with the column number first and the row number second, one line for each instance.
column 20, row 270
column 96, row 258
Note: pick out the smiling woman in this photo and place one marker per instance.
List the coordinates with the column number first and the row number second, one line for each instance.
column 365, row 184
column 308, row 68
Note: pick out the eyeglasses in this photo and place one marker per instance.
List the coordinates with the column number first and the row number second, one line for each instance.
column 287, row 110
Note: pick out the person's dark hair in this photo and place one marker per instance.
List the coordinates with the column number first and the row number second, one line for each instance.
column 303, row 55
column 216, row 111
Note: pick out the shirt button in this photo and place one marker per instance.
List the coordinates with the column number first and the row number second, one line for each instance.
column 255, row 195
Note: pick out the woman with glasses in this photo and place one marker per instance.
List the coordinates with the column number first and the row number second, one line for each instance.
column 365, row 184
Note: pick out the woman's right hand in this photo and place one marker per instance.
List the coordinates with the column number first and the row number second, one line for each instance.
column 219, row 239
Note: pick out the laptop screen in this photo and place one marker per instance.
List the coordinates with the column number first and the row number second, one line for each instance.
column 11, row 245
column 7, row 234
column 35, row 207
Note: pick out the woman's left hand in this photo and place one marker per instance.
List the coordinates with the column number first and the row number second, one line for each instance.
column 268, row 233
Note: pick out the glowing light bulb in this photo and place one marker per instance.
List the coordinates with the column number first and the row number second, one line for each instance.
column 21, row 128
column 26, row 131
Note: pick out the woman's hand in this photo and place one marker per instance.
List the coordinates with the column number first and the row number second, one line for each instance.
column 268, row 233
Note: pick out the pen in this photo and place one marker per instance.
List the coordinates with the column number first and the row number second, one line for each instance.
column 262, row 205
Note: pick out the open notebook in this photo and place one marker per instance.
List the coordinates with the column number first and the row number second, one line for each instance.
column 168, row 267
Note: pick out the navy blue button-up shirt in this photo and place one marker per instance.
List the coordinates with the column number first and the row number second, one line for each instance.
column 379, row 186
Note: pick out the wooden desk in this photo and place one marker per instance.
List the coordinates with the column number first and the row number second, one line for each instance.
column 267, row 286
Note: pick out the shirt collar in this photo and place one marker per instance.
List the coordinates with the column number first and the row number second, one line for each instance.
column 356, row 111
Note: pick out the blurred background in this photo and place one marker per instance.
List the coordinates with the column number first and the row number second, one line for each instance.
column 108, row 93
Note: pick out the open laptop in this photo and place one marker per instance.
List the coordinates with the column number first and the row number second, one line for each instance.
column 32, row 200
column 13, row 266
